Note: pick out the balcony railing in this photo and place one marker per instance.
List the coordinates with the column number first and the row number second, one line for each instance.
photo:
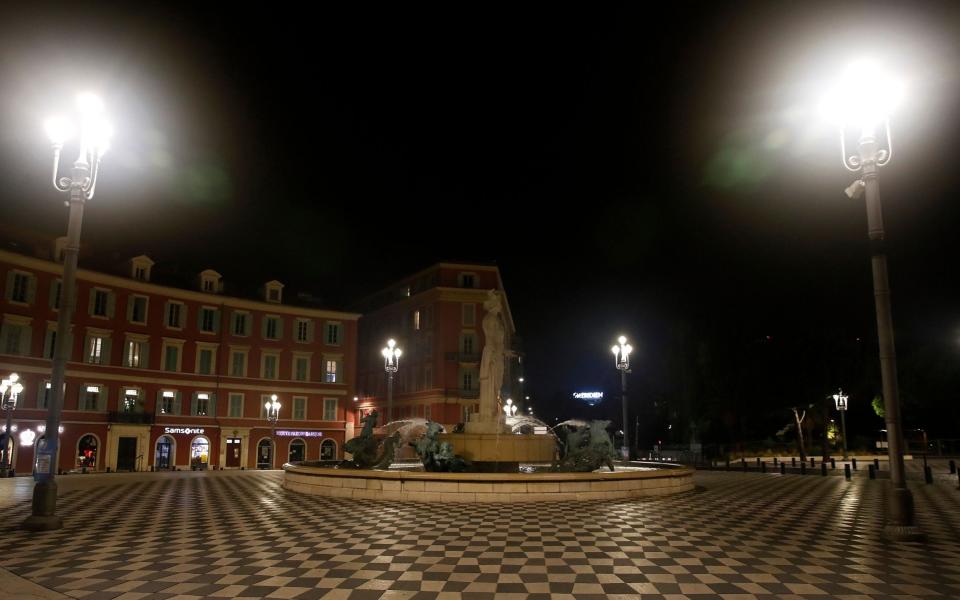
column 471, row 394
column 142, row 418
column 464, row 357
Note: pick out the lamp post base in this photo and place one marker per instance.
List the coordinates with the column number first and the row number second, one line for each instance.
column 902, row 533
column 44, row 517
column 901, row 524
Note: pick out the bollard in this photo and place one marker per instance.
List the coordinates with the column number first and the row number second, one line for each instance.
column 775, row 462
column 793, row 461
column 872, row 472
column 758, row 462
column 928, row 474
column 953, row 467
column 763, row 467
column 813, row 462
column 823, row 469
column 876, row 464
column 833, row 463
column 846, row 472
column 803, row 468
column 853, row 461
column 783, row 468
column 728, row 464
column 743, row 463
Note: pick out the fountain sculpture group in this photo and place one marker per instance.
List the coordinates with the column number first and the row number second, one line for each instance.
column 482, row 462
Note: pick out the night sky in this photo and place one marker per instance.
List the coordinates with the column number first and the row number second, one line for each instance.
column 659, row 173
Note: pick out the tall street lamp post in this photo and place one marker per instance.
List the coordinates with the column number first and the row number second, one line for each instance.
column 10, row 389
column 840, row 400
column 865, row 100
column 391, row 362
column 621, row 353
column 273, row 415
column 79, row 186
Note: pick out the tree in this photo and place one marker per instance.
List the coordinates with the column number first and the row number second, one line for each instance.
column 799, row 419
column 878, row 406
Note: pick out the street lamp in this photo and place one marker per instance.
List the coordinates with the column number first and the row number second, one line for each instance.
column 10, row 389
column 391, row 362
column 864, row 100
column 510, row 408
column 621, row 353
column 840, row 399
column 273, row 415
column 95, row 134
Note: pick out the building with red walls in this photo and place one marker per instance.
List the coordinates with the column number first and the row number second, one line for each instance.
column 163, row 377
column 435, row 317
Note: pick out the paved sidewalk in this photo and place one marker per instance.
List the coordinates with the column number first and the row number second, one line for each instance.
column 238, row 534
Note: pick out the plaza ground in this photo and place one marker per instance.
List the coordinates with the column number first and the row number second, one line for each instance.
column 239, row 534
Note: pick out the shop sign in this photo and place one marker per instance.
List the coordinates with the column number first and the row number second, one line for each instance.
column 290, row 433
column 184, row 430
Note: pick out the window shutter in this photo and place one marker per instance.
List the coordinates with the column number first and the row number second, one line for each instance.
column 8, row 291
column 193, row 404
column 130, row 302
column 216, row 321
column 212, row 405
column 102, row 399
column 248, row 324
column 93, row 301
column 199, row 319
column 145, row 355
column 105, row 351
column 55, row 288
column 263, row 327
column 111, row 304
column 178, row 403
column 31, row 289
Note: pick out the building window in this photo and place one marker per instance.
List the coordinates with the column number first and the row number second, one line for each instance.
column 131, row 400
column 270, row 363
column 303, row 330
column 333, row 334
column 16, row 337
column 238, row 364
column 330, row 371
column 468, row 343
column 469, row 315
column 467, row 381
column 272, row 326
column 138, row 310
column 208, row 320
column 299, row 408
column 133, row 354
column 203, row 404
column 100, row 303
column 329, row 409
column 176, row 311
column 168, row 404
column 140, row 273
column 20, row 286
column 328, row 450
column 90, row 398
column 171, row 357
column 205, row 361
column 467, row 280
column 236, row 405
column 301, row 368
column 98, row 350
column 241, row 324
column 208, row 285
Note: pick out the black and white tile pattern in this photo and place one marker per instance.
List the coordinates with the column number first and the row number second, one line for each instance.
column 239, row 535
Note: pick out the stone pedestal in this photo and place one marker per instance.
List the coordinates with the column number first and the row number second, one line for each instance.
column 501, row 453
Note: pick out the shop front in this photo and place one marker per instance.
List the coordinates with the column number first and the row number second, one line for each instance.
column 127, row 445
column 233, row 448
column 184, row 447
column 273, row 449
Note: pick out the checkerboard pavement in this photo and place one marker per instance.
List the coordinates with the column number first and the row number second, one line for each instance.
column 237, row 535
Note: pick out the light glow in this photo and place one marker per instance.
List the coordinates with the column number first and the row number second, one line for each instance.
column 58, row 130
column 865, row 95
column 26, row 437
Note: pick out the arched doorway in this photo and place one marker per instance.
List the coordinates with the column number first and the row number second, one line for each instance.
column 265, row 454
column 164, row 459
column 7, row 444
column 298, row 451
column 200, row 453
column 328, row 450
column 87, row 450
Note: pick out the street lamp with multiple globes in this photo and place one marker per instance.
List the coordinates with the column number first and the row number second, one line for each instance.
column 840, row 400
column 864, row 100
column 95, row 134
column 273, row 415
column 10, row 389
column 510, row 408
column 391, row 362
column 621, row 353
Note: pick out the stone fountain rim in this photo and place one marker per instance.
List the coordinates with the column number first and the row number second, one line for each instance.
column 661, row 471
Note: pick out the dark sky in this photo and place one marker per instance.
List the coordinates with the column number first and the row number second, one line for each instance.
column 631, row 168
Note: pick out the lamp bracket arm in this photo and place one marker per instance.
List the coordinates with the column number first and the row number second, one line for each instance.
column 885, row 155
column 850, row 162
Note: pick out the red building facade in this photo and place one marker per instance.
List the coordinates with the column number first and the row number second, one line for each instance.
column 435, row 318
column 169, row 378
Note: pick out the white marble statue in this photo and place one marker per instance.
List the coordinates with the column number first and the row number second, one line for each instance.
column 492, row 361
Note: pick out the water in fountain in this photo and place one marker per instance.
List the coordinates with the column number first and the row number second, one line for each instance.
column 410, row 430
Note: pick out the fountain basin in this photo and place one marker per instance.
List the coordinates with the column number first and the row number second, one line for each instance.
column 636, row 481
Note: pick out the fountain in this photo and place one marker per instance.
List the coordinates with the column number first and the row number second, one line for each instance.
column 494, row 459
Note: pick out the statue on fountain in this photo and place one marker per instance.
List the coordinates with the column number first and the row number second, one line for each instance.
column 586, row 448
column 366, row 450
column 437, row 456
column 489, row 419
